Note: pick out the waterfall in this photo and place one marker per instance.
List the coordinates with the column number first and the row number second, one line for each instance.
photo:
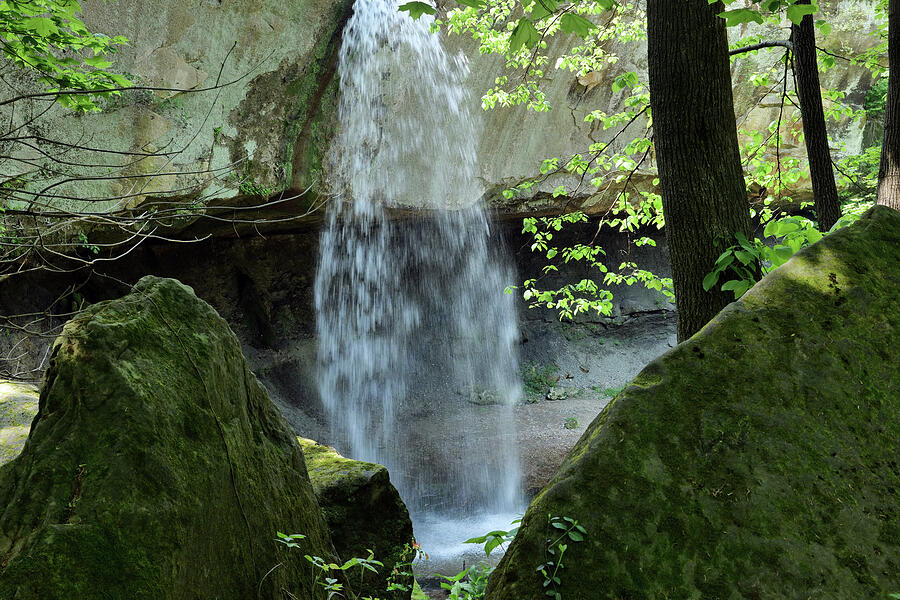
column 417, row 364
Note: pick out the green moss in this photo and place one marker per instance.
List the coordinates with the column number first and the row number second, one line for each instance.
column 757, row 459
column 18, row 406
column 157, row 466
column 364, row 512
column 301, row 96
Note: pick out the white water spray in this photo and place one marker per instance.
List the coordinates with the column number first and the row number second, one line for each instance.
column 417, row 364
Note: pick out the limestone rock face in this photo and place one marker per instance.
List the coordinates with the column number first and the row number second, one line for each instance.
column 267, row 124
column 757, row 459
column 157, row 467
column 364, row 511
column 261, row 126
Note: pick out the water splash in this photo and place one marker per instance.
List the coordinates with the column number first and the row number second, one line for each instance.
column 417, row 363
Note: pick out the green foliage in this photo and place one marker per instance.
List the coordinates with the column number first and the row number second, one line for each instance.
column 586, row 295
column 521, row 31
column 537, row 378
column 858, row 175
column 874, row 58
column 81, row 240
column 326, row 574
column 758, row 11
column 876, row 98
column 402, row 570
column 417, row 9
column 571, row 423
column 470, row 584
column 494, row 539
column 569, row 531
column 46, row 37
column 742, row 261
column 251, row 188
column 611, row 392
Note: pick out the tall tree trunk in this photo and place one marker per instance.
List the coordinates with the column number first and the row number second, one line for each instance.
column 703, row 193
column 806, row 68
column 889, row 171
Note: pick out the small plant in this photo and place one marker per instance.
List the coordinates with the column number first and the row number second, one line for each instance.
column 252, row 189
column 611, row 392
column 569, row 531
column 470, row 584
column 81, row 240
column 571, row 423
column 321, row 570
column 402, row 570
column 493, row 539
column 537, row 378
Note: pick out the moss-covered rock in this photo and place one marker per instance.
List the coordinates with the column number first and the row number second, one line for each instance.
column 157, row 467
column 758, row 459
column 18, row 405
column 364, row 511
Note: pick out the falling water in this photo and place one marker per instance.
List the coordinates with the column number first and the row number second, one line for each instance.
column 417, row 368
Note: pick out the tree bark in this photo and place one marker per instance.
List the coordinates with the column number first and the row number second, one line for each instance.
column 806, row 69
column 889, row 171
column 703, row 193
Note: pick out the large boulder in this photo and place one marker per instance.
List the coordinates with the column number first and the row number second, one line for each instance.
column 157, row 467
column 758, row 459
column 364, row 512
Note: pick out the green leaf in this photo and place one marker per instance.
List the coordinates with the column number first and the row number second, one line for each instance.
column 493, row 543
column 543, row 8
column 738, row 286
column 824, row 26
column 42, row 26
column 796, row 12
column 739, row 16
column 629, row 79
column 572, row 23
column 417, row 9
column 98, row 62
column 472, row 3
column 710, row 280
column 524, row 35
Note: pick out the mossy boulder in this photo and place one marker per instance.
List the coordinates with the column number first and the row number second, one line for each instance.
column 157, row 467
column 364, row 512
column 18, row 405
column 758, row 459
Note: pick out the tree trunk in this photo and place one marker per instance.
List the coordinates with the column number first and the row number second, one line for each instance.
column 806, row 69
column 703, row 193
column 889, row 171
